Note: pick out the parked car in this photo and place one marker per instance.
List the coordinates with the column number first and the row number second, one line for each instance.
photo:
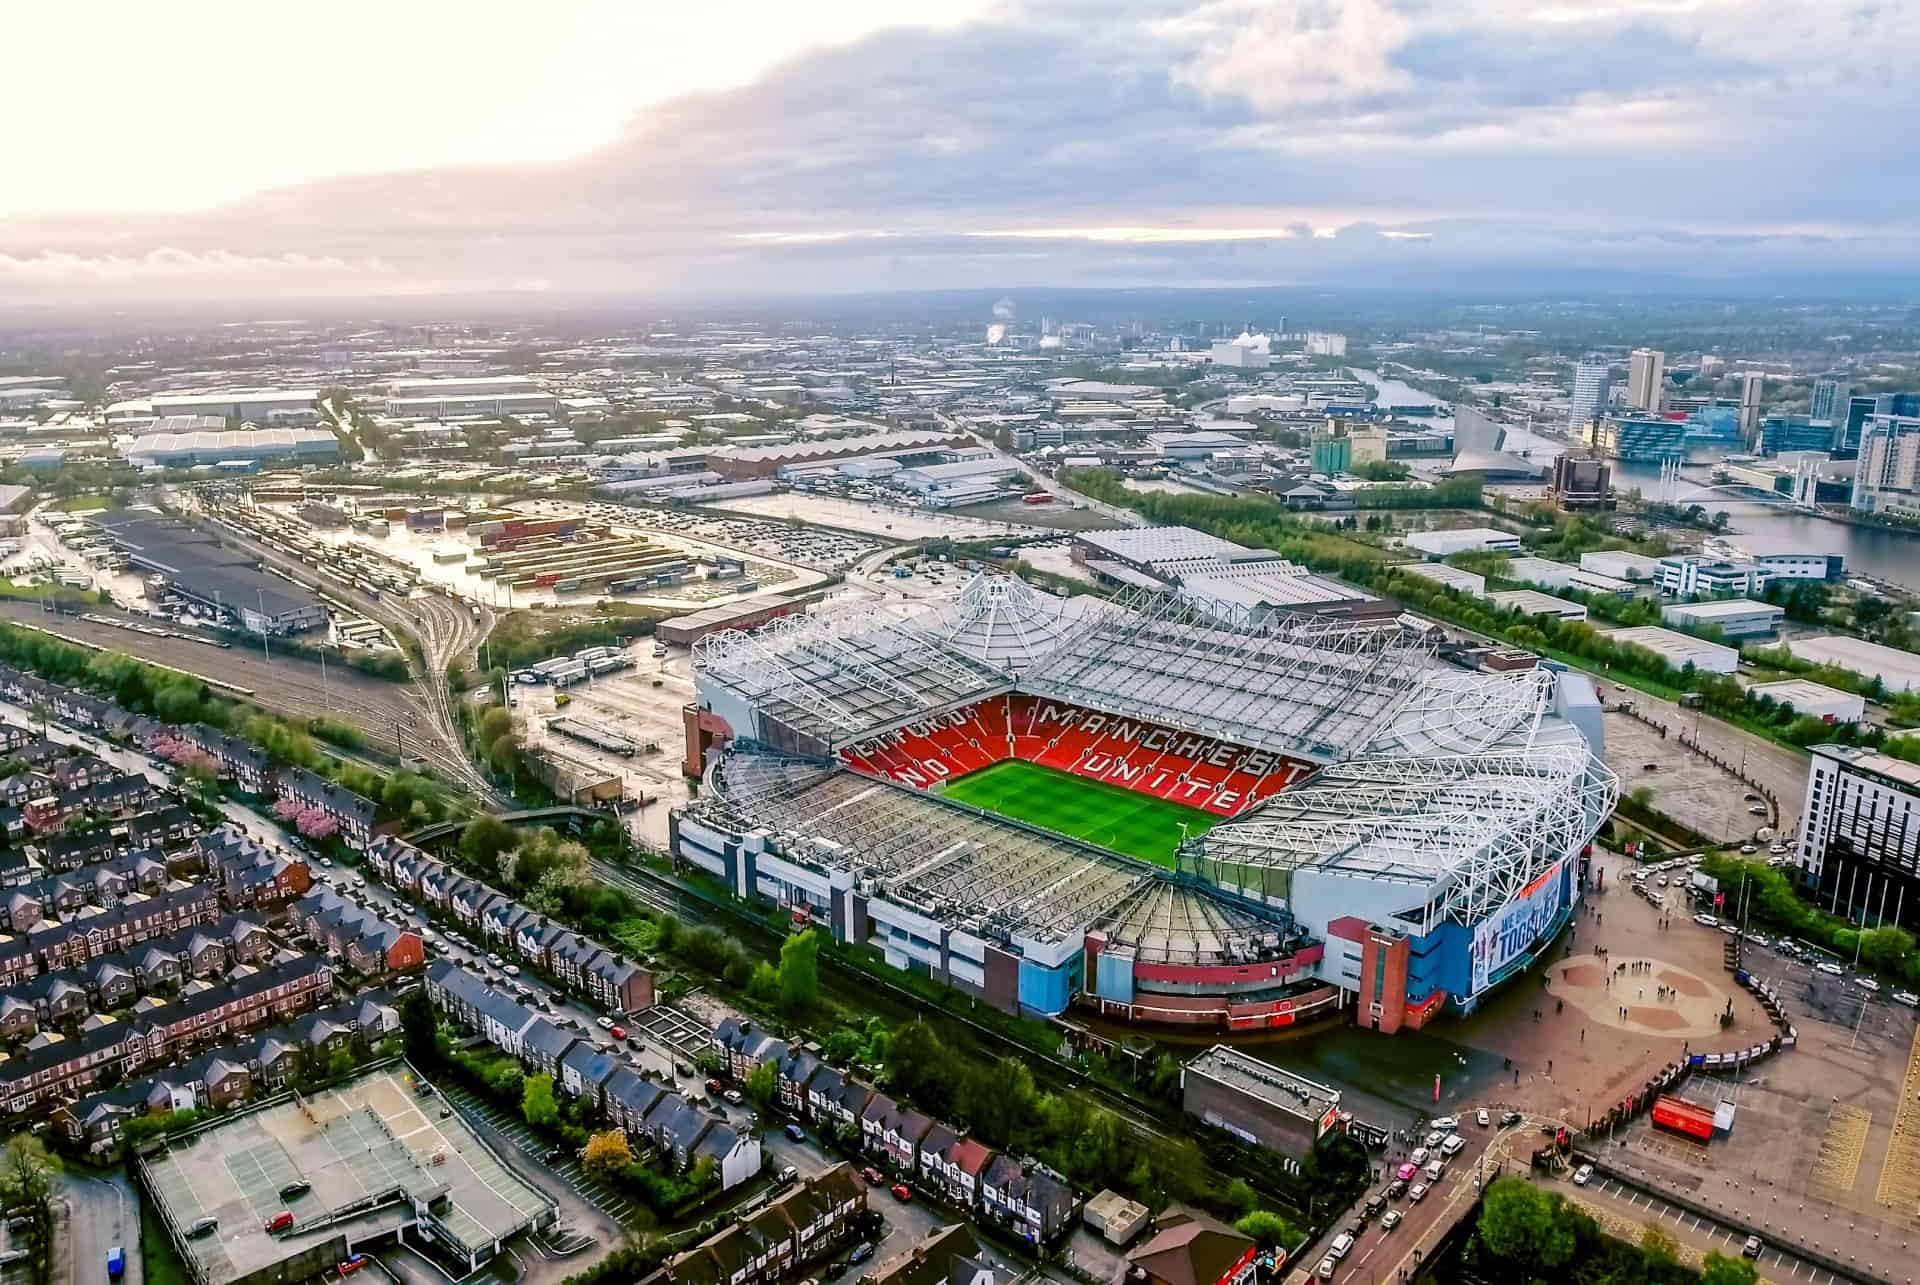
column 1511, row 1118
column 618, row 1032
column 1419, row 1156
column 1417, row 1193
column 1342, row 1245
column 786, row 1175
column 1753, row 1247
column 1325, row 1270
column 1583, row 1175
column 1830, row 968
column 1905, row 997
column 873, row 1176
column 795, row 1132
column 733, row 1096
column 902, row 1192
column 861, row 1253
column 715, row 1087
column 1867, row 984
column 1396, row 1189
column 1482, row 1119
column 1390, row 1220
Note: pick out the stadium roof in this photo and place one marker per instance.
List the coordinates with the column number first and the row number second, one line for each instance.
column 1307, row 688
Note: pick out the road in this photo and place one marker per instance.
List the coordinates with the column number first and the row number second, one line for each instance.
column 105, row 1212
column 1060, row 491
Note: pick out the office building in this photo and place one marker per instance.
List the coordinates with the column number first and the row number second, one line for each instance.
column 1646, row 376
column 1860, row 837
column 1639, row 438
column 1258, row 1102
column 1591, row 384
column 1782, row 433
column 1887, row 478
column 1582, row 484
column 1753, row 385
column 1686, row 574
column 1831, row 398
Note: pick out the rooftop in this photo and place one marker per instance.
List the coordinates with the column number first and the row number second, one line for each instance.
column 354, row 1144
column 1308, row 1099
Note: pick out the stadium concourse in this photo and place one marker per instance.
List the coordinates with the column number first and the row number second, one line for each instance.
column 1166, row 809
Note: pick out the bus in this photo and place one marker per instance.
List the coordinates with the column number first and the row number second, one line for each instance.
column 1037, row 497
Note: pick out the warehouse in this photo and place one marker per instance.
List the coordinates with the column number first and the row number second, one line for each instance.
column 1258, row 1102
column 169, row 447
column 194, row 564
column 1535, row 603
column 450, row 405
column 1816, row 700
column 1473, row 539
column 1544, row 572
column 1898, row 670
column 1456, row 578
column 915, row 446
column 682, row 631
column 1734, row 617
column 241, row 403
column 1621, row 565
column 1680, row 650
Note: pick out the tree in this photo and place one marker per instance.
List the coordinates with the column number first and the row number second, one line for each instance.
column 1242, row 1197
column 341, row 1064
column 1267, row 1229
column 762, row 1086
column 419, row 1027
column 607, row 1153
column 1719, row 1269
column 800, row 971
column 1519, row 1221
column 536, row 1101
column 484, row 839
column 1661, row 1249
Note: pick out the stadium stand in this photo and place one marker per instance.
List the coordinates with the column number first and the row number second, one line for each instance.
column 1180, row 767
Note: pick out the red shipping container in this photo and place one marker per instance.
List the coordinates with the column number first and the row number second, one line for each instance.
column 1682, row 1116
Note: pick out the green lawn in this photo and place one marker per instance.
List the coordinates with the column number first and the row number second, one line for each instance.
column 1108, row 815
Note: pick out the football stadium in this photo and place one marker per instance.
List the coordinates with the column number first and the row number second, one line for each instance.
column 1161, row 808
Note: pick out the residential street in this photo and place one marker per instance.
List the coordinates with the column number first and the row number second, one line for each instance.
column 105, row 1212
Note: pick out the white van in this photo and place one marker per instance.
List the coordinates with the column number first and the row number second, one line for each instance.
column 1341, row 1244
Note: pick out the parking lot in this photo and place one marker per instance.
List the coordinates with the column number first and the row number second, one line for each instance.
column 1624, row 1211
column 1687, row 787
column 533, row 1151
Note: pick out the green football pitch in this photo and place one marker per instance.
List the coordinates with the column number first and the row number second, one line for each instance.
column 1108, row 815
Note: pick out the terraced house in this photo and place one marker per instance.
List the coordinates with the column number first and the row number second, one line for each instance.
column 354, row 936
column 356, row 815
column 805, row 1223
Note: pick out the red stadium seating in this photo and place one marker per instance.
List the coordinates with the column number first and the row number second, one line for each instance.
column 1200, row 771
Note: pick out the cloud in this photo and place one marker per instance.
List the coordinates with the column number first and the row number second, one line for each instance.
column 1116, row 143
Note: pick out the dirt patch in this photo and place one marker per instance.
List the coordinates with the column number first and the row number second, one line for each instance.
column 1685, row 983
column 1659, row 1019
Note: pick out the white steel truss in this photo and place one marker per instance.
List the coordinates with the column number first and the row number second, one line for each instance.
column 1478, row 829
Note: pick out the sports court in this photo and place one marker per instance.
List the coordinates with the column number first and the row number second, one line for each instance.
column 1111, row 816
column 370, row 1151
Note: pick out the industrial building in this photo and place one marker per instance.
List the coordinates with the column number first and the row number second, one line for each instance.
column 1859, row 844
column 1618, row 564
column 170, row 447
column 684, row 631
column 1351, row 779
column 291, row 1189
column 241, row 403
column 1680, row 650
column 958, row 482
column 1258, row 1103
column 1544, row 572
column 191, row 562
column 1898, row 671
column 1734, row 617
column 1459, row 579
column 1472, row 539
column 1816, row 700
column 1535, row 603
column 1207, row 569
column 908, row 446
column 467, row 405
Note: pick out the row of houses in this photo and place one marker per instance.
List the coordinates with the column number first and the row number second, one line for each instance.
column 1027, row 1198
column 103, row 930
column 52, row 1067
column 583, row 965
column 804, row 1223
column 68, row 996
column 248, row 873
column 230, row 1074
column 157, row 829
column 353, row 935
column 652, row 1116
column 25, row 906
column 232, row 758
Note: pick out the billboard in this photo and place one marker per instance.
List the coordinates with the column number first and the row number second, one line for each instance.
column 1507, row 933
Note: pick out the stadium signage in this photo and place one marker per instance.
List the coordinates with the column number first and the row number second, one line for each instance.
column 1507, row 933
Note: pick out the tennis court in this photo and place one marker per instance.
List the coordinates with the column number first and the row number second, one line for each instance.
column 360, row 1140
column 1110, row 816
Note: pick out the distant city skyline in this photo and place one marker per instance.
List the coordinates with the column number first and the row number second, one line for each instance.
column 741, row 145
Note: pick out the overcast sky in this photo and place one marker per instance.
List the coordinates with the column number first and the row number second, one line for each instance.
column 214, row 149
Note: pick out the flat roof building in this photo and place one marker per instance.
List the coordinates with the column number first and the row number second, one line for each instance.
column 1680, row 650
column 1452, row 577
column 1817, row 700
column 170, row 447
column 1258, row 1102
column 354, row 1166
column 1620, row 564
column 195, row 565
column 1858, row 842
column 1535, row 603
column 239, row 403
column 1544, row 572
column 1898, row 670
column 1734, row 617
column 1473, row 539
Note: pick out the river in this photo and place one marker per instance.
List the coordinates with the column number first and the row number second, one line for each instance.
column 1888, row 555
